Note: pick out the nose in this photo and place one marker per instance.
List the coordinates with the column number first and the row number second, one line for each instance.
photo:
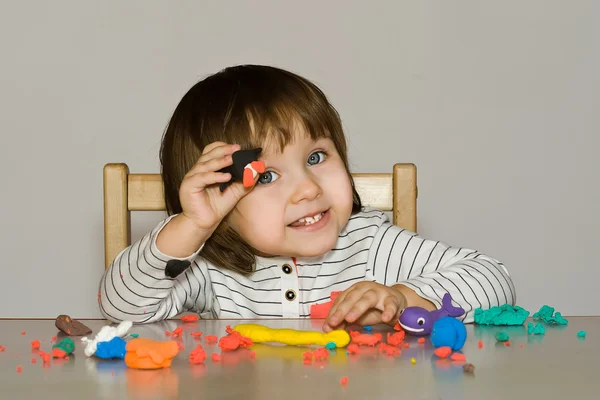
column 306, row 190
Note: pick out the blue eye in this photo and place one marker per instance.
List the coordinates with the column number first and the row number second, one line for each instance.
column 317, row 157
column 267, row 177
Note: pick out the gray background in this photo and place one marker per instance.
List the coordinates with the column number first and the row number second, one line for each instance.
column 495, row 102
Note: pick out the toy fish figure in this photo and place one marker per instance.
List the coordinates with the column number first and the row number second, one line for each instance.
column 245, row 167
column 418, row 321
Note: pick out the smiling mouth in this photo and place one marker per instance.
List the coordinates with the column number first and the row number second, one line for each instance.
column 410, row 329
column 306, row 221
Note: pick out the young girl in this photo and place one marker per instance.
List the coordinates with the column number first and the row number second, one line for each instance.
column 300, row 233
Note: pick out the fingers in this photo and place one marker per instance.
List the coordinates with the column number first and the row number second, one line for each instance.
column 390, row 309
column 362, row 303
column 215, row 158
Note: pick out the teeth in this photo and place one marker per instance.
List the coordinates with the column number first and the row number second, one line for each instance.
column 311, row 220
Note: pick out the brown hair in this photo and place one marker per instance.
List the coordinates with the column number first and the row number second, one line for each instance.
column 250, row 105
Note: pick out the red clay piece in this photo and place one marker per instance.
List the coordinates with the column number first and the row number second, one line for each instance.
column 189, row 318
column 365, row 338
column 443, row 352
column 35, row 344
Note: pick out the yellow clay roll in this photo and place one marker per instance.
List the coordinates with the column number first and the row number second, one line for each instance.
column 261, row 334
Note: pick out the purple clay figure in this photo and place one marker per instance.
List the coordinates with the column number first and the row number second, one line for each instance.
column 418, row 321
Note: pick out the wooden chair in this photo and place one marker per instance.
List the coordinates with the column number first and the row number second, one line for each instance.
column 125, row 192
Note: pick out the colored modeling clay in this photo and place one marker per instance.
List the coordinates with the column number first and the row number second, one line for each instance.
column 198, row 355
column 443, row 352
column 71, row 327
column 458, row 357
column 535, row 329
column 468, row 368
column 260, row 334
column 365, row 338
column 502, row 336
column 448, row 331
column 144, row 353
column 189, row 318
column 581, row 334
column 106, row 334
column 35, row 344
column 114, row 348
column 418, row 321
column 233, row 340
column 546, row 314
column 353, row 349
column 368, row 328
column 134, row 335
column 396, row 339
column 245, row 167
column 63, row 348
column 321, row 311
column 506, row 314
column 330, row 346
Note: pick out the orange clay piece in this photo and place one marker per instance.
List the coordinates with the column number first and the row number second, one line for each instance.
column 521, row 345
column 406, row 345
column 389, row 350
column 189, row 318
column 307, row 355
column 480, row 344
column 443, row 352
column 144, row 353
column 365, row 338
column 233, row 340
column 33, row 360
column 321, row 353
column 177, row 332
column 2, row 349
column 58, row 353
column 196, row 335
column 19, row 368
column 198, row 355
column 396, row 339
column 210, row 338
column 167, row 333
column 45, row 356
column 421, row 340
column 23, row 333
column 180, row 346
column 344, row 380
column 353, row 348
column 252, row 354
column 35, row 344
column 53, row 339
column 215, row 357
column 397, row 327
column 458, row 357
column 507, row 344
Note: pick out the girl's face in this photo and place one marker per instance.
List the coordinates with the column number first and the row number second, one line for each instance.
column 299, row 204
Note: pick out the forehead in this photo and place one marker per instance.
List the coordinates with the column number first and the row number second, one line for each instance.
column 274, row 148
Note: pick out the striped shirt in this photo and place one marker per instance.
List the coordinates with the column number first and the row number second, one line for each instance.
column 369, row 248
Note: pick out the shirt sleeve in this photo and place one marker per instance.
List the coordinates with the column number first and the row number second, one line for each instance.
column 432, row 268
column 136, row 288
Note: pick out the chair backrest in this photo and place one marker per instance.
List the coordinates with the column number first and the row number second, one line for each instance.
column 125, row 192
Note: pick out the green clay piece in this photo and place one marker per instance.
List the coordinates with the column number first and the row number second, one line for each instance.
column 67, row 345
column 546, row 314
column 503, row 315
column 535, row 329
column 502, row 336
column 581, row 334
column 330, row 346
column 134, row 335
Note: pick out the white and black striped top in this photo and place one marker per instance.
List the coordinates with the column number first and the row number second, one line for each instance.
column 369, row 248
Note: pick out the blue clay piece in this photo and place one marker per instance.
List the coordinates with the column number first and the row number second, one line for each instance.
column 114, row 348
column 448, row 331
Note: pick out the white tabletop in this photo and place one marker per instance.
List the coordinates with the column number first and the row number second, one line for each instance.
column 557, row 365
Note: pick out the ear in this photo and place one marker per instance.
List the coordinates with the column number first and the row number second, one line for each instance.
column 176, row 267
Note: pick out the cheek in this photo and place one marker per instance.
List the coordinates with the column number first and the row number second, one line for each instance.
column 255, row 218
